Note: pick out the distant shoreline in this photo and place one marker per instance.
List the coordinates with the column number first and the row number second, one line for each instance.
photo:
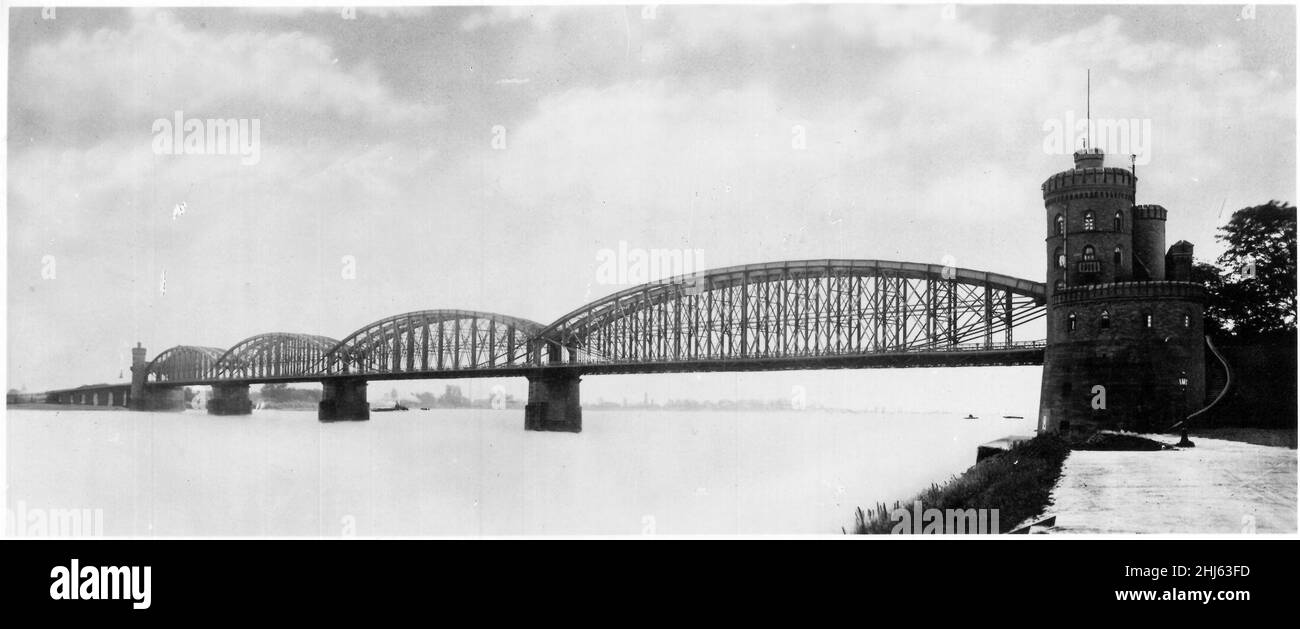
column 39, row 406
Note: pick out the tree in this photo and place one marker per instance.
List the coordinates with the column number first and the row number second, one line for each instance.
column 1253, row 290
column 452, row 397
column 1211, row 277
column 275, row 392
column 279, row 392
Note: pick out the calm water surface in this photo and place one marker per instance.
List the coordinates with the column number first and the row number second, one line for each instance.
column 477, row 472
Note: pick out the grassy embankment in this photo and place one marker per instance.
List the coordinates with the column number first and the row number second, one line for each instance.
column 1018, row 482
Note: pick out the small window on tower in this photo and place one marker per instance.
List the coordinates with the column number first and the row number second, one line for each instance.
column 1187, row 321
column 1060, row 225
column 1089, row 221
column 1072, row 322
column 1105, row 319
column 1119, row 221
column 1059, row 284
column 1089, row 253
column 1059, row 255
column 1146, row 320
column 1119, row 257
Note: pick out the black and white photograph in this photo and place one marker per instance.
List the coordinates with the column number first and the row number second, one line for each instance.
column 835, row 271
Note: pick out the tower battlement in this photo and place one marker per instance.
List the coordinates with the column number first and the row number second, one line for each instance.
column 1117, row 180
column 1150, row 212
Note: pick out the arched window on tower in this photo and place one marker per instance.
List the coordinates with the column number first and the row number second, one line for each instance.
column 1059, row 284
column 1060, row 225
column 1187, row 321
column 1089, row 253
column 1119, row 257
column 1071, row 322
column 1119, row 221
column 1146, row 320
column 1059, row 256
column 1105, row 319
column 1089, row 221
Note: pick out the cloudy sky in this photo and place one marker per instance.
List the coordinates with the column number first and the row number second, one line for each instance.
column 483, row 158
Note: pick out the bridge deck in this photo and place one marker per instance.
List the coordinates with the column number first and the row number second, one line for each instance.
column 1021, row 354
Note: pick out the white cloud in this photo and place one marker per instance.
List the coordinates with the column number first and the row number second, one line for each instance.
column 157, row 66
column 619, row 146
column 884, row 26
column 541, row 18
column 363, row 11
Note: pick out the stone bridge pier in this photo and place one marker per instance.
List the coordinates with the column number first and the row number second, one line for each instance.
column 158, row 398
column 344, row 400
column 553, row 403
column 230, row 399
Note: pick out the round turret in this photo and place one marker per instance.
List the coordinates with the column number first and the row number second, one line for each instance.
column 1089, row 230
column 1089, row 158
column 1149, row 242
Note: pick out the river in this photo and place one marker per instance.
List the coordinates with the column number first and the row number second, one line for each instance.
column 477, row 472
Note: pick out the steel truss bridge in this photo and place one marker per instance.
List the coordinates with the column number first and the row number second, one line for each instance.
column 813, row 314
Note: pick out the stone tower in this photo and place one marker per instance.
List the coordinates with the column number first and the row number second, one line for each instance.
column 135, row 398
column 1123, row 327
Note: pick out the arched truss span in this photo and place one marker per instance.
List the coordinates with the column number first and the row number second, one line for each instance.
column 184, row 363
column 274, row 355
column 434, row 340
column 796, row 309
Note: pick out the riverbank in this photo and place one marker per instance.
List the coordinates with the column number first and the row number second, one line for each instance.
column 292, row 405
column 1276, row 437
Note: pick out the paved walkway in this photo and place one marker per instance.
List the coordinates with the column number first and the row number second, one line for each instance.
column 1217, row 487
